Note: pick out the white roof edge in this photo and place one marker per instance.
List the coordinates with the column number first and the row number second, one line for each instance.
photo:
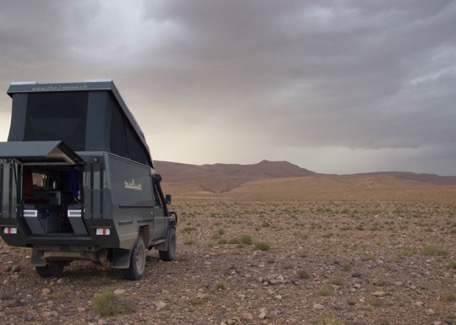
column 24, row 83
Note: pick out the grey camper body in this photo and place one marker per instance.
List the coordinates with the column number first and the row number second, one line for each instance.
column 77, row 180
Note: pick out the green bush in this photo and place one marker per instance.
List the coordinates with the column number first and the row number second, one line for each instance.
column 189, row 241
column 262, row 246
column 107, row 303
column 434, row 251
column 303, row 274
column 452, row 264
column 219, row 285
column 245, row 239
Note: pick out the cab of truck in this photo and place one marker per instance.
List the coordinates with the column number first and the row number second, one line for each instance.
column 77, row 180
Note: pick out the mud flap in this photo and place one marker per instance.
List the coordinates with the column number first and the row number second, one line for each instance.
column 120, row 258
column 36, row 259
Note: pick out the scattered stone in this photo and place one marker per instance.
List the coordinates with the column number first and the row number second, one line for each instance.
column 51, row 314
column 263, row 313
column 356, row 274
column 119, row 291
column 378, row 293
column 317, row 306
column 45, row 291
column 272, row 279
column 15, row 268
column 160, row 305
column 247, row 316
column 233, row 321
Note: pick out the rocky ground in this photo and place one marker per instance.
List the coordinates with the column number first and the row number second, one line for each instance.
column 356, row 261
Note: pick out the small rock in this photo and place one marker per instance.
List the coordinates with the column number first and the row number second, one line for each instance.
column 119, row 291
column 15, row 268
column 356, row 274
column 160, row 305
column 101, row 322
column 378, row 293
column 263, row 313
column 45, row 291
column 247, row 316
column 430, row 311
column 317, row 306
column 51, row 314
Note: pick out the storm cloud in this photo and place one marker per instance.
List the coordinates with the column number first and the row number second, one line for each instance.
column 333, row 86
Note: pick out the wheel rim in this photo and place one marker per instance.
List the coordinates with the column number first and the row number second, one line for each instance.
column 140, row 257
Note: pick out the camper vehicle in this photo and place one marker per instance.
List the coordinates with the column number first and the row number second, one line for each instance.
column 77, row 181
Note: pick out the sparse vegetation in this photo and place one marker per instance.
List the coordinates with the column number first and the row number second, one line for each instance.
column 329, row 320
column 107, row 303
column 262, row 246
column 220, row 285
column 431, row 250
column 188, row 241
column 448, row 296
column 245, row 239
column 303, row 274
column 452, row 264
column 322, row 258
column 325, row 291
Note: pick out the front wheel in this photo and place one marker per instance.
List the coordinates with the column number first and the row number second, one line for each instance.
column 170, row 253
column 137, row 261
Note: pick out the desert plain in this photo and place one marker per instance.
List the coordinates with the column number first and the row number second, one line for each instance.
column 300, row 250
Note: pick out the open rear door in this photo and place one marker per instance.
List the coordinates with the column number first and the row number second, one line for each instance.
column 39, row 153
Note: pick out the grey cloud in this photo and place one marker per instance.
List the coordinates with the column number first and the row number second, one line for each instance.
column 355, row 74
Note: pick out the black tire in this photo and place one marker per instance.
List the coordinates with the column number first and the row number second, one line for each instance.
column 170, row 253
column 137, row 261
column 48, row 271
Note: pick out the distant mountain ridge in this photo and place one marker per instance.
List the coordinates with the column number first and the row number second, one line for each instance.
column 225, row 177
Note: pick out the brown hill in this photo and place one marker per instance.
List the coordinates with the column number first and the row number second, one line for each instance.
column 224, row 177
column 227, row 177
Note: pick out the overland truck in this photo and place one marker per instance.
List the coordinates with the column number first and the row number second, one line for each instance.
column 77, row 181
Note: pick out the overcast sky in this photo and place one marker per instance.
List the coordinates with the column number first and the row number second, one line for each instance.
column 332, row 86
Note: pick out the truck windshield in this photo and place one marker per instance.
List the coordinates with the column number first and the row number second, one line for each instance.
column 57, row 116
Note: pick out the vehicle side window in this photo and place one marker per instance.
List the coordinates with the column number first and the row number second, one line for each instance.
column 156, row 194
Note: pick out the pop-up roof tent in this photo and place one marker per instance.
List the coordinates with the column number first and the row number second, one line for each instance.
column 86, row 116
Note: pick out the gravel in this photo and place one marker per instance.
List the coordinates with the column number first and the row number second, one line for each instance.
column 357, row 261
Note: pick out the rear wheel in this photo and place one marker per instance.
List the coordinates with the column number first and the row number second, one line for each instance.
column 48, row 271
column 137, row 261
column 170, row 253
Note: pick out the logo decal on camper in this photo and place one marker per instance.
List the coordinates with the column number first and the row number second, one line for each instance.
column 131, row 185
